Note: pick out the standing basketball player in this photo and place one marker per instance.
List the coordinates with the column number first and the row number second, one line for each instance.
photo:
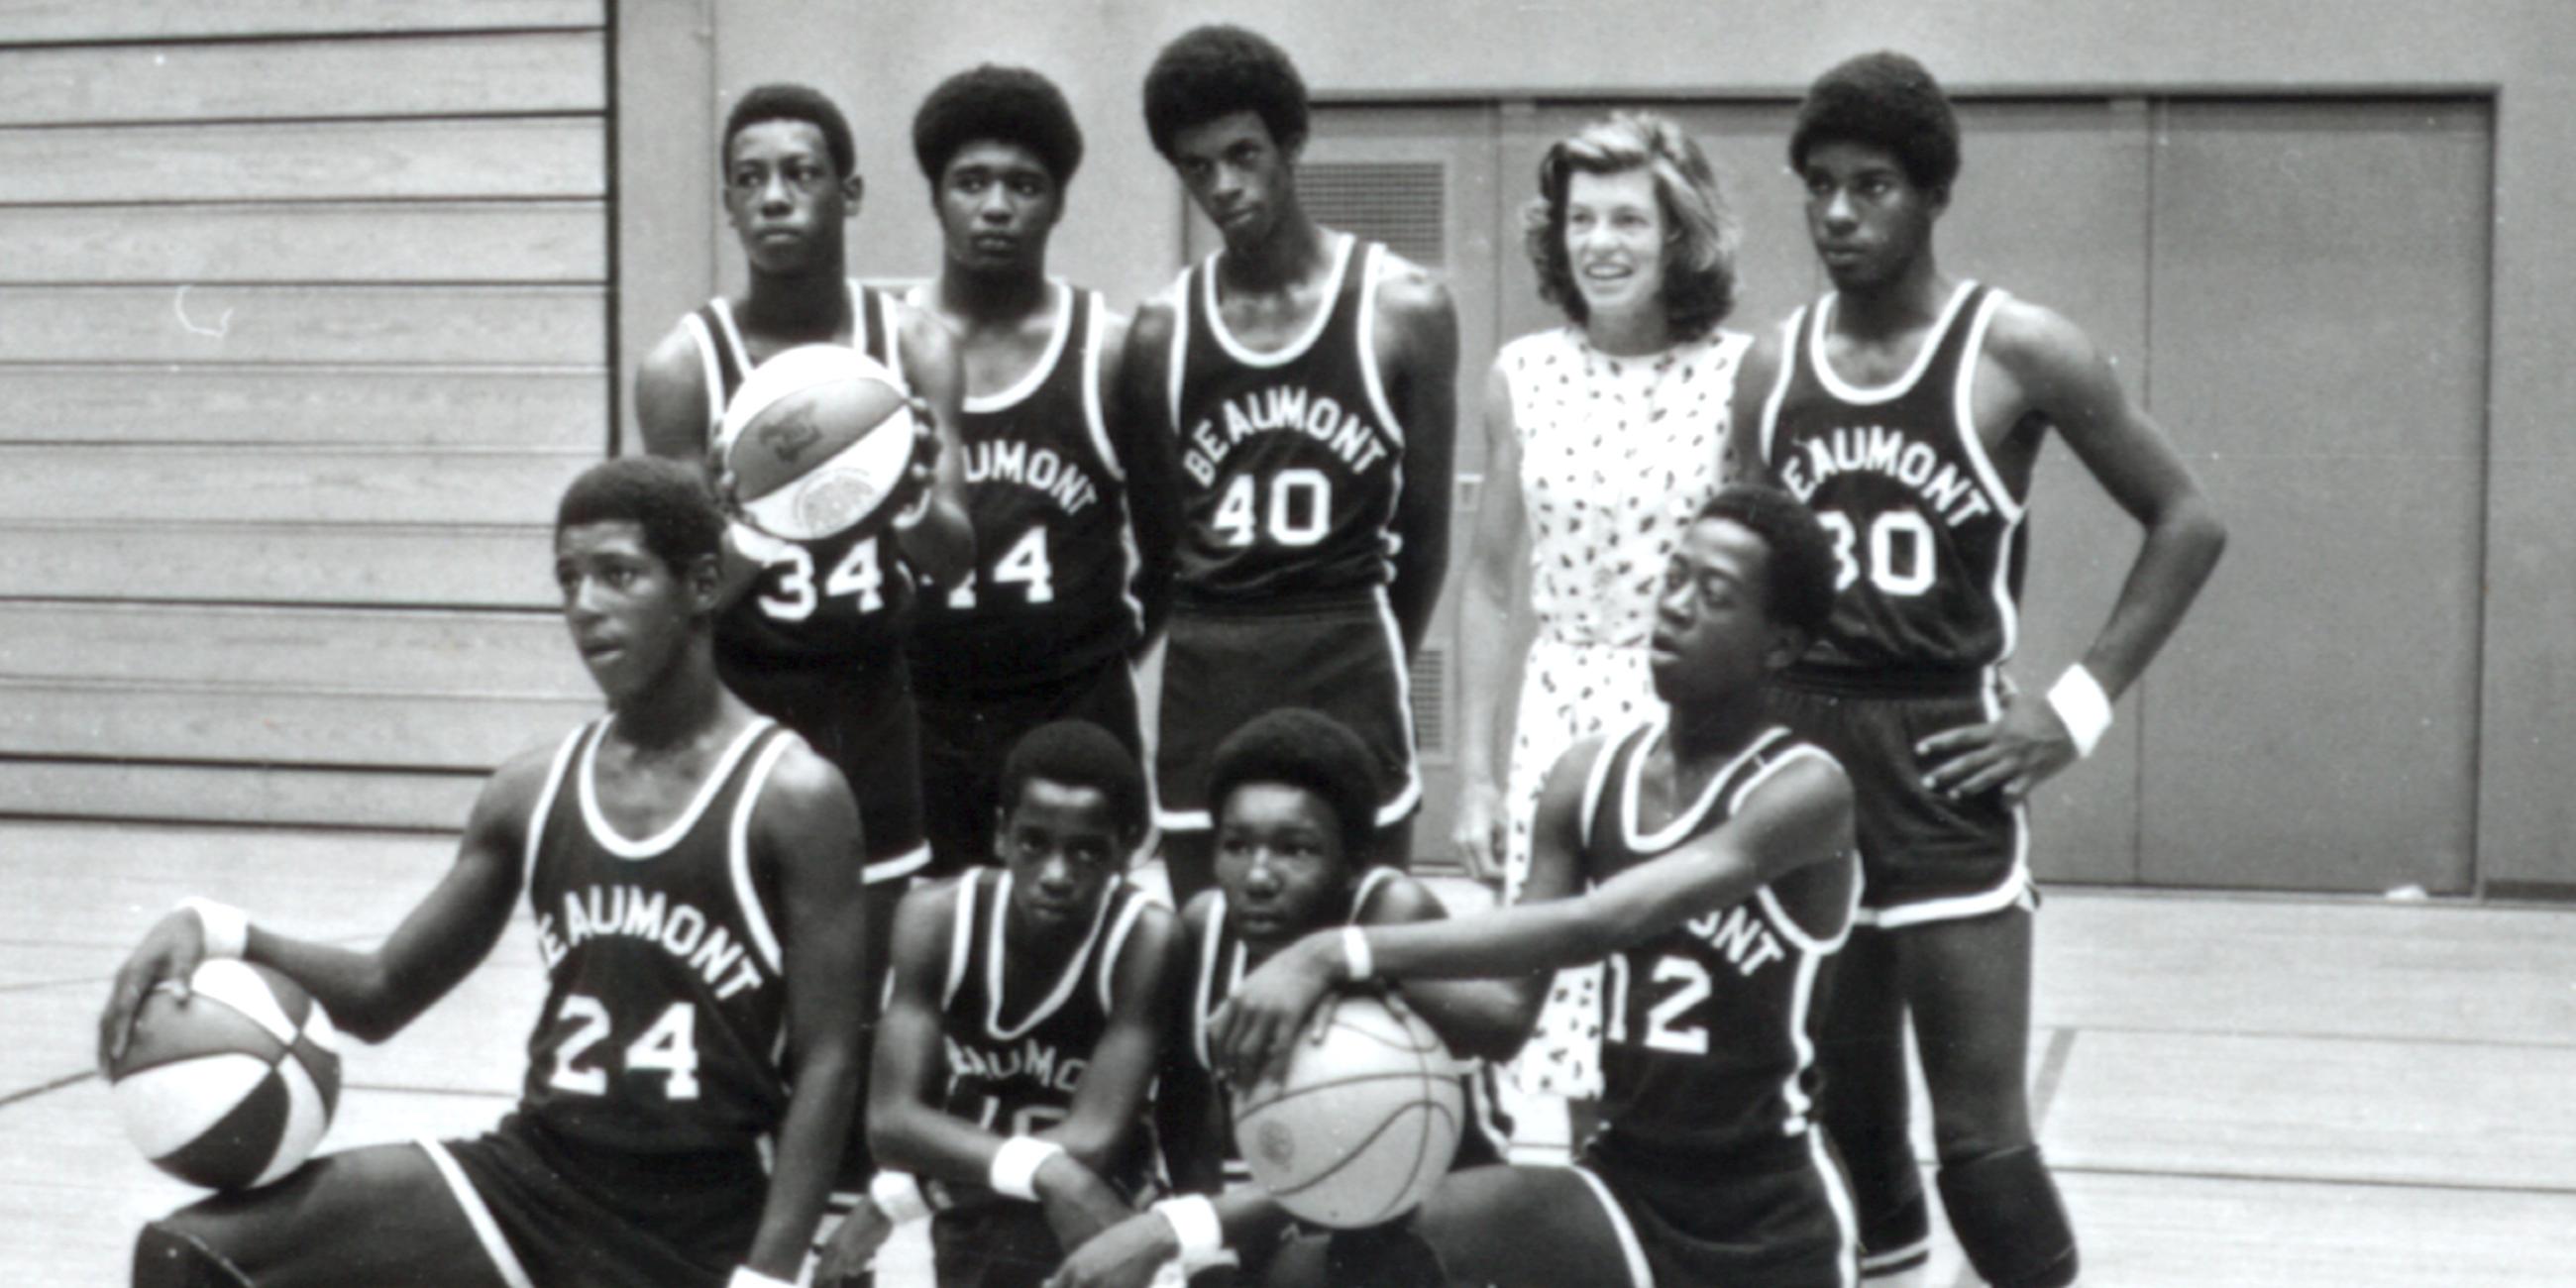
column 817, row 638
column 1908, row 408
column 1072, row 524
column 1707, row 855
column 1296, row 801
column 687, row 862
column 1025, row 1024
column 1306, row 381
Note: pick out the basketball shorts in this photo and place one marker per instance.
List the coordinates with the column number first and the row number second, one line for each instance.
column 1785, row 1224
column 1223, row 667
column 860, row 717
column 966, row 736
column 1924, row 856
column 994, row 1245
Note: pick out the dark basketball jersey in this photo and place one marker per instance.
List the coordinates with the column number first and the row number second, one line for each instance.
column 814, row 602
column 1055, row 558
column 1291, row 460
column 1709, row 1029
column 1222, row 961
column 1017, row 1044
column 1927, row 533
column 665, row 1013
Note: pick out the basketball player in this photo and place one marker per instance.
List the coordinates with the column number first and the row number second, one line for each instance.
column 687, row 862
column 1297, row 802
column 1908, row 408
column 816, row 639
column 1072, row 526
column 1305, row 381
column 1027, row 1017
column 1708, row 856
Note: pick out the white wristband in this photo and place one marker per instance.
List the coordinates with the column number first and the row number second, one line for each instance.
column 746, row 1277
column 898, row 1196
column 1194, row 1225
column 1356, row 957
column 2082, row 707
column 1016, row 1164
column 226, row 928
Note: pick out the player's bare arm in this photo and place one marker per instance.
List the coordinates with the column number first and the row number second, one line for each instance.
column 1754, row 377
column 1486, row 1019
column 1801, row 816
column 1109, row 1103
column 671, row 398
column 941, row 542
column 2048, row 368
column 1493, row 630
column 1143, row 441
column 1188, row 1115
column 1417, row 352
column 806, row 832
column 1130, row 1253
column 371, row 995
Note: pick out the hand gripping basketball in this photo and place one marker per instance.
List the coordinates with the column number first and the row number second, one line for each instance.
column 1363, row 1122
column 819, row 441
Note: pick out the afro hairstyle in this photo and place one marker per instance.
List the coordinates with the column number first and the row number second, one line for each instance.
column 1883, row 100
column 1800, row 585
column 1078, row 753
column 1310, row 751
column 1207, row 72
column 1006, row 104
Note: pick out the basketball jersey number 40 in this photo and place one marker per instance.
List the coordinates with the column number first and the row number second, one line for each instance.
column 1297, row 509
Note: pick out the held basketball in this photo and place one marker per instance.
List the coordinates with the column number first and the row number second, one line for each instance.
column 1364, row 1122
column 234, row 1086
column 816, row 443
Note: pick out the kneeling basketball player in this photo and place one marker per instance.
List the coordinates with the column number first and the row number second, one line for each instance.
column 689, row 1082
column 1296, row 811
column 1015, row 1057
column 1717, row 852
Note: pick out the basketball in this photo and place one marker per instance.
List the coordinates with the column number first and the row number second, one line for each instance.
column 1364, row 1122
column 234, row 1086
column 816, row 443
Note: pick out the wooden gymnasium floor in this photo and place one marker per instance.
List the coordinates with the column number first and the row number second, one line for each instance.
column 2235, row 1090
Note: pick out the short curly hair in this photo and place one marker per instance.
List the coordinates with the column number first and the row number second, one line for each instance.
column 1077, row 753
column 1310, row 751
column 1800, row 589
column 1004, row 104
column 789, row 102
column 1701, row 234
column 1885, row 100
column 1207, row 72
column 668, row 499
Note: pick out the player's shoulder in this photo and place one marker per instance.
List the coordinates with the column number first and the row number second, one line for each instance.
column 1155, row 932
column 1202, row 912
column 934, row 900
column 1156, row 320
column 1408, row 293
column 804, row 798
column 1797, row 778
column 1760, row 364
column 506, row 806
column 2033, row 340
column 1398, row 898
column 670, row 379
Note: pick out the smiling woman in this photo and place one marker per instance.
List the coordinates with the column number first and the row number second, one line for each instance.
column 1604, row 437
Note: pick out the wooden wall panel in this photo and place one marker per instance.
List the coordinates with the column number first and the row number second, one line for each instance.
column 535, row 241
column 381, row 326
column 88, row 20
column 281, row 562
column 259, row 795
column 256, row 484
column 555, row 408
column 524, row 654
column 305, row 161
column 268, row 80
column 392, row 730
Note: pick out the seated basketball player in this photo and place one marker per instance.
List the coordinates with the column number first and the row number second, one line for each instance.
column 1296, row 809
column 688, row 863
column 1708, row 856
column 1019, row 1046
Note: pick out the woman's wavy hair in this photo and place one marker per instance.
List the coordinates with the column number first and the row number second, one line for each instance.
column 1701, row 233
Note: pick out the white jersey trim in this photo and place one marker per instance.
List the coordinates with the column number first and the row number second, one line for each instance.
column 1372, row 275
column 1116, row 943
column 1632, row 1253
column 1789, row 926
column 1897, row 388
column 764, row 937
column 708, row 370
column 1213, row 936
column 1802, row 1001
column 961, row 938
column 1846, row 1215
column 1394, row 811
column 1964, row 412
column 546, row 807
column 1688, row 818
column 1294, row 349
column 470, row 1201
column 895, row 867
column 1176, row 360
column 1599, row 777
column 1790, row 356
column 1060, row 327
column 1094, row 418
column 1064, row 985
column 586, row 787
column 2015, row 888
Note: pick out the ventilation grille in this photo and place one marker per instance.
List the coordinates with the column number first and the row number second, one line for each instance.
column 1431, row 700
column 1401, row 203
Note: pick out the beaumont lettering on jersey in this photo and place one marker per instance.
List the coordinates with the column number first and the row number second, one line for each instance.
column 1037, row 1061
column 1879, row 449
column 1745, row 939
column 1011, row 460
column 1284, row 409
column 681, row 930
